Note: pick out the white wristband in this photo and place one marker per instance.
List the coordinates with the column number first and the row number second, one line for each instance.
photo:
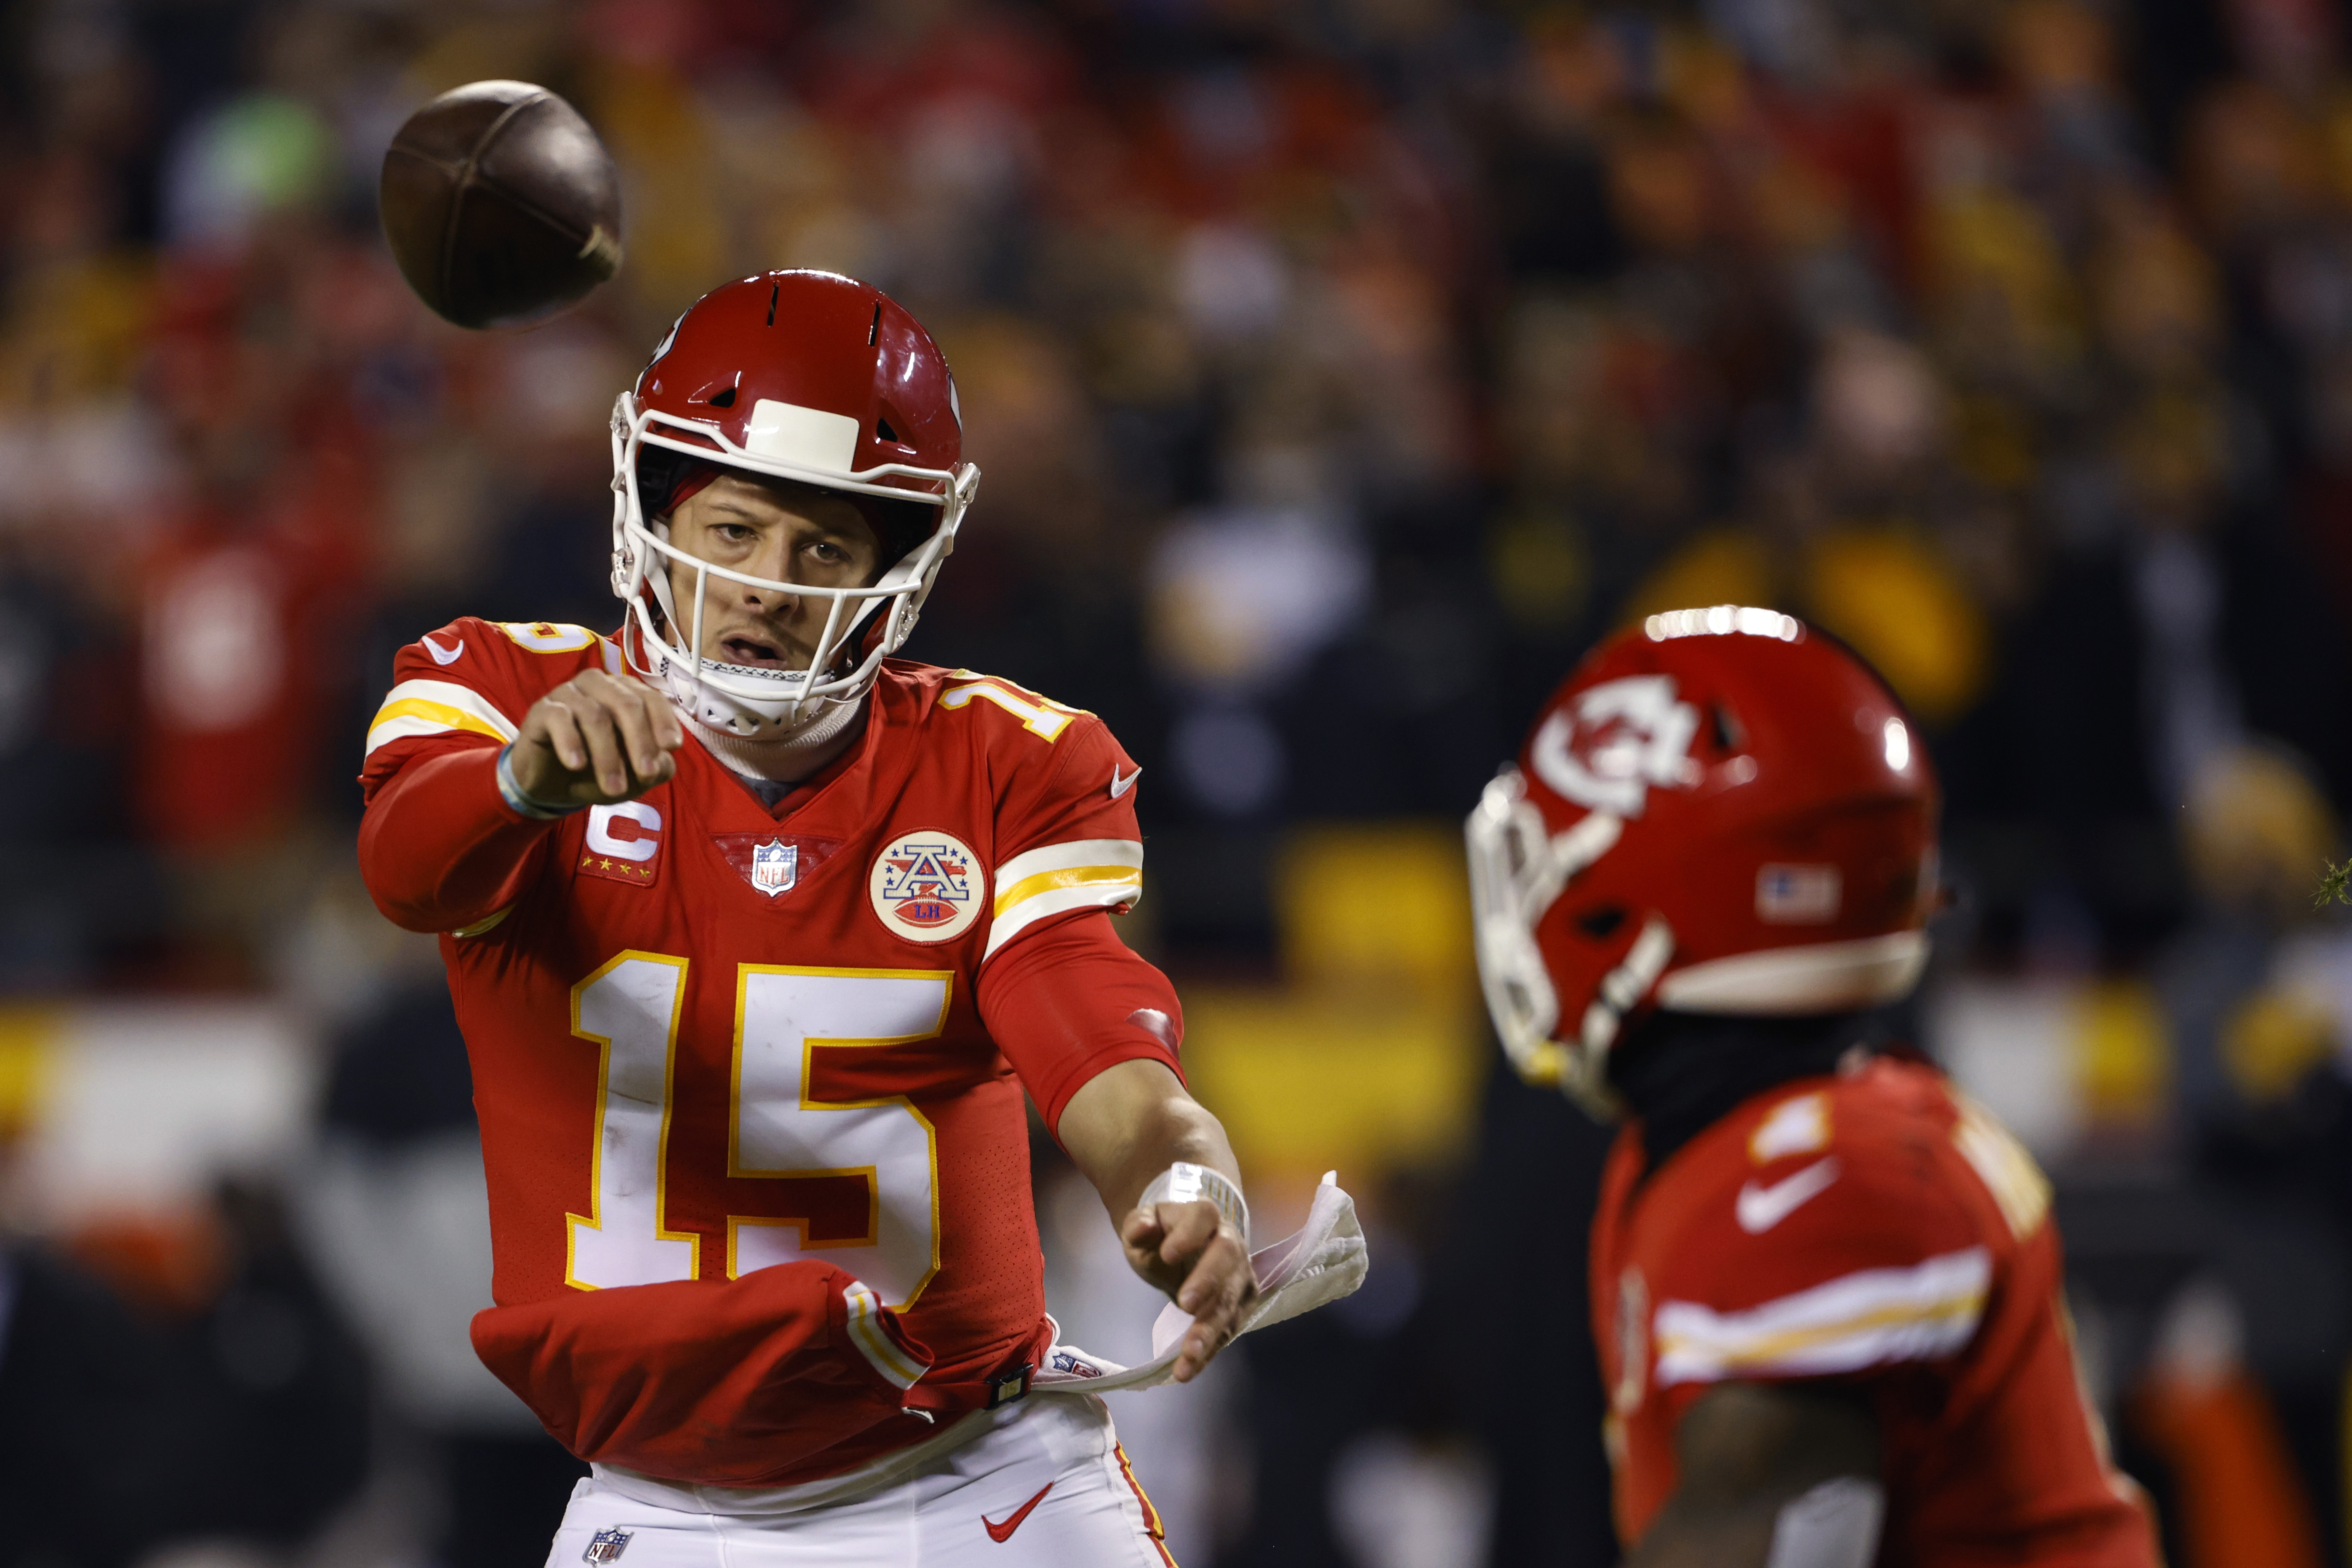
column 1185, row 1182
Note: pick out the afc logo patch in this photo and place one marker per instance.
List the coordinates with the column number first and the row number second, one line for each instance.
column 605, row 1545
column 927, row 887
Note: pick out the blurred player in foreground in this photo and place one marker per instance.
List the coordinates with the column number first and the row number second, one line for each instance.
column 1826, row 1286
column 757, row 936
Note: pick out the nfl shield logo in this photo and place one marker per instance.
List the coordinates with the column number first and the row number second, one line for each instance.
column 605, row 1545
column 775, row 867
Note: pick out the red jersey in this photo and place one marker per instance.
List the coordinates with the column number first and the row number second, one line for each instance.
column 708, row 1036
column 1881, row 1230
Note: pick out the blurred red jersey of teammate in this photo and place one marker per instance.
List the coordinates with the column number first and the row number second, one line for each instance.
column 675, row 1008
column 1877, row 1229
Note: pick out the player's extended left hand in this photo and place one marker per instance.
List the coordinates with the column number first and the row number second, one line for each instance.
column 1196, row 1255
column 595, row 740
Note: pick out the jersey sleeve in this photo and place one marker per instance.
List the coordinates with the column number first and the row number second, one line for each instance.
column 470, row 684
column 1071, row 1001
column 665, row 1378
column 440, row 849
column 1066, row 838
column 1808, row 1253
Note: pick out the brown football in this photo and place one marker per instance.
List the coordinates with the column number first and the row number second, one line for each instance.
column 501, row 206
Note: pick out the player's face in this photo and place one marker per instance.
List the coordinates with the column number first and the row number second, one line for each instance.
column 789, row 537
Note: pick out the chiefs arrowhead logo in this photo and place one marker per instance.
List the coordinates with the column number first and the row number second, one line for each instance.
column 1620, row 738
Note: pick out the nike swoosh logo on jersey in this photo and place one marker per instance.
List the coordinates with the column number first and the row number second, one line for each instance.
column 1001, row 1533
column 1119, row 786
column 1762, row 1208
column 439, row 657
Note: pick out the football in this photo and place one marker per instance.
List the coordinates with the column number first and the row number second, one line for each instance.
column 500, row 205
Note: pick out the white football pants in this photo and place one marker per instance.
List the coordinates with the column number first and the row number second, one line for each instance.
column 1048, row 1488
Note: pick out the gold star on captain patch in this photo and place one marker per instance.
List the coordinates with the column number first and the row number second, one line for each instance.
column 605, row 865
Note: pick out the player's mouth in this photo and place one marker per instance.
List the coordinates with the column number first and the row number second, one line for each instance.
column 754, row 653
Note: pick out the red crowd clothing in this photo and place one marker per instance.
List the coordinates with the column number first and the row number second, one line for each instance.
column 739, row 1067
column 1880, row 1230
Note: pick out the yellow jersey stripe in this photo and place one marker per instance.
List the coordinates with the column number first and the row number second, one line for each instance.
column 439, row 713
column 1865, row 1319
column 866, row 1331
column 1767, row 1349
column 479, row 926
column 1069, row 876
column 433, row 708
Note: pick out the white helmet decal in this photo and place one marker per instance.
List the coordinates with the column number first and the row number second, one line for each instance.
column 1625, row 737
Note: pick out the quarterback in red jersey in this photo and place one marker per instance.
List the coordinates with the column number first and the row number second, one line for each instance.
column 1826, row 1287
column 757, row 936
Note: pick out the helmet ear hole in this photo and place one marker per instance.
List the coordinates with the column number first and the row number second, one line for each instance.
column 1601, row 924
column 1725, row 729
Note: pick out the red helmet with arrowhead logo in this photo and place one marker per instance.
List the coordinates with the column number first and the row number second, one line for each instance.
column 798, row 375
column 1720, row 811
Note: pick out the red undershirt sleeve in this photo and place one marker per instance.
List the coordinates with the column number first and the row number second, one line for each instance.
column 439, row 848
column 1069, row 1000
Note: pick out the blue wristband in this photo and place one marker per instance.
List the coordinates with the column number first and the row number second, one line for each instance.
column 521, row 803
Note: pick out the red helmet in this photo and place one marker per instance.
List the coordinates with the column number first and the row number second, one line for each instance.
column 1719, row 811
column 798, row 375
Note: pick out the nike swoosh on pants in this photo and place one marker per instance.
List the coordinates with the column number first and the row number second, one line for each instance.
column 1001, row 1533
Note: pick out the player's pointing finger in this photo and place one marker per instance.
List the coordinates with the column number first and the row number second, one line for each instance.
column 604, row 745
column 560, row 730
column 635, row 724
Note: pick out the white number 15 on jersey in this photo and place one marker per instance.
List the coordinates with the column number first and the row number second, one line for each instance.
column 631, row 1008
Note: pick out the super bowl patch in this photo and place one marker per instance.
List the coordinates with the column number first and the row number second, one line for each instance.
column 605, row 1545
column 927, row 887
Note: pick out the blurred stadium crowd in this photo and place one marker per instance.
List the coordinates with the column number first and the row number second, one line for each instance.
column 1339, row 372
